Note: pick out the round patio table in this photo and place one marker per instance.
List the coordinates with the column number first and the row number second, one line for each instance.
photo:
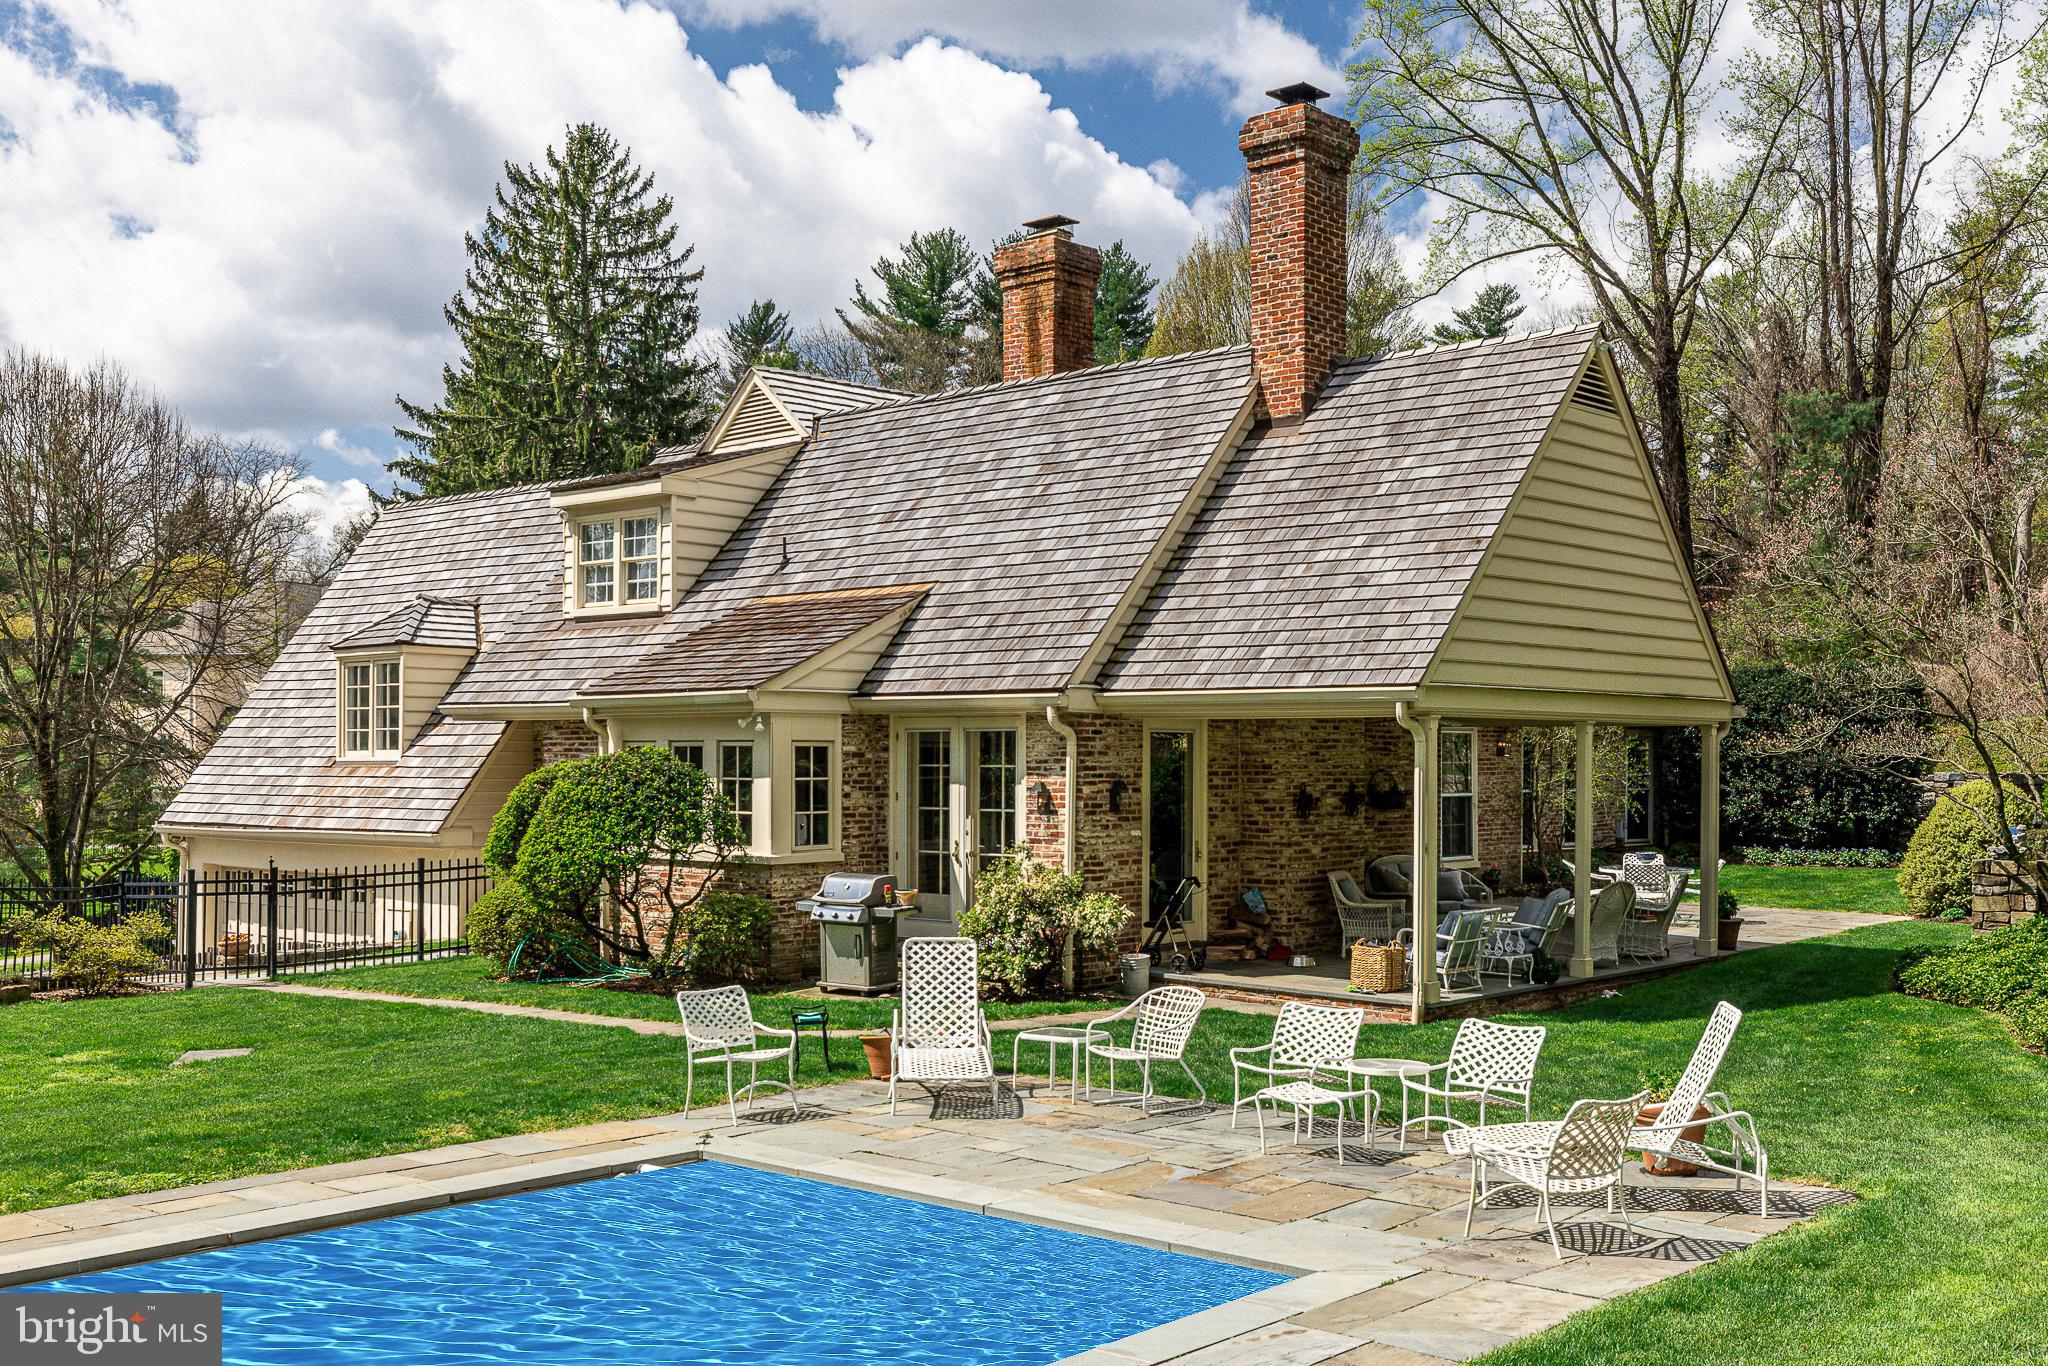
column 1055, row 1037
column 1397, row 1068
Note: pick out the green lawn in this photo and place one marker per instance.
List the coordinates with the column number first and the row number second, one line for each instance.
column 470, row 979
column 1814, row 889
column 1927, row 1111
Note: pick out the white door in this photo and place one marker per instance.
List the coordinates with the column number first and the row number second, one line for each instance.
column 961, row 798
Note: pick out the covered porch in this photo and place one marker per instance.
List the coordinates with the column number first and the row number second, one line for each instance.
column 1275, row 797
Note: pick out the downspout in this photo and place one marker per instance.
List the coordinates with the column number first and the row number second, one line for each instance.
column 607, row 734
column 1070, row 846
column 1422, row 958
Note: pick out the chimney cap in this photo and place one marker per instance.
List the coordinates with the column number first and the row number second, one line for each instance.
column 1301, row 92
column 1050, row 222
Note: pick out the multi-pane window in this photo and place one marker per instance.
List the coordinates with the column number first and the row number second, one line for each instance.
column 736, row 783
column 690, row 752
column 995, row 794
column 1458, row 825
column 932, row 814
column 811, row 793
column 370, row 708
column 618, row 561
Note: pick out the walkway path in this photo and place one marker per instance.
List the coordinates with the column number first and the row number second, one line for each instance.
column 637, row 1025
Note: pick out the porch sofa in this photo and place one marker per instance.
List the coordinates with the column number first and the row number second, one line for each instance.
column 1393, row 879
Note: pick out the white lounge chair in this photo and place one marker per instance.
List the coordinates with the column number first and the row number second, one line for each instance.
column 1582, row 1152
column 719, row 1026
column 1163, row 1020
column 1358, row 915
column 1304, row 1036
column 1490, row 1063
column 939, row 1034
column 1665, row 1137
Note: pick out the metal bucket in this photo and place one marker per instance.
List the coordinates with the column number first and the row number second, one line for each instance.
column 1135, row 970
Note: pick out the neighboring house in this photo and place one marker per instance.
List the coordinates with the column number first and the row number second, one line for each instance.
column 204, row 664
column 1227, row 613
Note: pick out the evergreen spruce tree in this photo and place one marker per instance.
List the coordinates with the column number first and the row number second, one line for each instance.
column 1492, row 313
column 575, row 318
column 759, row 336
column 1123, row 306
column 916, row 333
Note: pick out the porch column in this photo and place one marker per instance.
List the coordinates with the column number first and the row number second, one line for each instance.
column 1710, row 841
column 1428, row 758
column 1581, row 964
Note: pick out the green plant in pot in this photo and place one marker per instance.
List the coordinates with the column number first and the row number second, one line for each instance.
column 1730, row 922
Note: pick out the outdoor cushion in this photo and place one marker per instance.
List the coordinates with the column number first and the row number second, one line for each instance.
column 1450, row 888
column 1391, row 876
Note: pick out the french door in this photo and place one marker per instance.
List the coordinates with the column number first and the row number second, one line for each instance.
column 1176, row 817
column 960, row 809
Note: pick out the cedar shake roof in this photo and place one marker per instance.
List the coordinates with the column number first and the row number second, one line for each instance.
column 756, row 643
column 1029, row 508
column 807, row 396
column 1333, row 554
column 449, row 622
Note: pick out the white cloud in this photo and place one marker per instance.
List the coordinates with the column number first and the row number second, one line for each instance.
column 1221, row 43
column 326, row 504
column 332, row 442
column 276, row 259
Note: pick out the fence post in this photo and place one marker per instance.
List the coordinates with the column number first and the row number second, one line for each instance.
column 270, row 920
column 419, row 910
column 191, row 927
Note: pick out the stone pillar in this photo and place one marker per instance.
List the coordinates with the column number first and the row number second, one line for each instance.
column 1710, row 841
column 1582, row 855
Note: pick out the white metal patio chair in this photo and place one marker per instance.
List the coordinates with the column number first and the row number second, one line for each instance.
column 939, row 1033
column 1490, row 1064
column 719, row 1026
column 1580, row 1153
column 1304, row 1035
column 1665, row 1136
column 1162, row 1021
column 1358, row 915
column 1458, row 944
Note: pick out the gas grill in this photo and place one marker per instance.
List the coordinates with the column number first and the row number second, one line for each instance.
column 856, row 915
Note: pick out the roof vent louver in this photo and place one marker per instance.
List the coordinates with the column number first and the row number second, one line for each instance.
column 1592, row 392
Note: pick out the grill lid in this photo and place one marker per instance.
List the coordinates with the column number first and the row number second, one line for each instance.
column 857, row 889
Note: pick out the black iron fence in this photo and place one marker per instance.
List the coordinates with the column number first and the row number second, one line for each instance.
column 246, row 923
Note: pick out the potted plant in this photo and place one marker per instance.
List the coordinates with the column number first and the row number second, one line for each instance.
column 1660, row 1091
column 881, row 1062
column 1730, row 923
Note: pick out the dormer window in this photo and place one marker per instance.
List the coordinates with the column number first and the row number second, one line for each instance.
column 618, row 561
column 370, row 709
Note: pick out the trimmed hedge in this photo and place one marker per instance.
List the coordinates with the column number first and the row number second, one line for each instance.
column 1765, row 856
column 2005, row 972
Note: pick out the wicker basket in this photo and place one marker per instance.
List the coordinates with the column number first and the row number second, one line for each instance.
column 1381, row 967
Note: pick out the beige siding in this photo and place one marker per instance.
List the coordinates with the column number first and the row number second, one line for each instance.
column 512, row 760
column 1582, row 588
column 718, row 500
column 424, row 677
column 755, row 423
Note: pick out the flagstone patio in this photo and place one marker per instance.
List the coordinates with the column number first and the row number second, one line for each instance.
column 1383, row 1271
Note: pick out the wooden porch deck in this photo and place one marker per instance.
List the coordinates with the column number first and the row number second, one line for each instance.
column 1329, row 979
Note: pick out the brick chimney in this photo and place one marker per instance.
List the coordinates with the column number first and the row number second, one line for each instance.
column 1048, row 282
column 1299, row 158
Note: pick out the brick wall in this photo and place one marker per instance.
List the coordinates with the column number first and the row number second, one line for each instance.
column 554, row 741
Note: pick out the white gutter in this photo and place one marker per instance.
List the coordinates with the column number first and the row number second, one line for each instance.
column 1070, row 848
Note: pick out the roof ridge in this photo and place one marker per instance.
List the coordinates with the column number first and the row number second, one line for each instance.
column 1086, row 372
column 1534, row 334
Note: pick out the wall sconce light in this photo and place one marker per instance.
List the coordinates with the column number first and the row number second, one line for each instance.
column 1352, row 798
column 1117, row 788
column 1305, row 801
column 1501, row 746
column 1042, row 794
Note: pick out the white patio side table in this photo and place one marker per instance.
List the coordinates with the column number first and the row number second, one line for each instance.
column 1397, row 1068
column 1075, row 1038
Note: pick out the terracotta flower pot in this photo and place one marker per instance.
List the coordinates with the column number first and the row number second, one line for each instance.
column 1671, row 1166
column 881, row 1065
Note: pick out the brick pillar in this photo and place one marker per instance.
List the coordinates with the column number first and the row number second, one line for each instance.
column 1048, row 282
column 1299, row 158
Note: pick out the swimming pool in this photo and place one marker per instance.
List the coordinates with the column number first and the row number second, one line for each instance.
column 705, row 1262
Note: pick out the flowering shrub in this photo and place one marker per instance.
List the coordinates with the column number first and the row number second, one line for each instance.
column 101, row 959
column 1023, row 913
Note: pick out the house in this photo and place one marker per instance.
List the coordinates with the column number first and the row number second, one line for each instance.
column 204, row 662
column 1164, row 617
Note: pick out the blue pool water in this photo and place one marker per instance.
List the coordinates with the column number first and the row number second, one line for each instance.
column 700, row 1263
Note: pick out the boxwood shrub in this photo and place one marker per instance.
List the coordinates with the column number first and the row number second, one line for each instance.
column 1935, row 874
